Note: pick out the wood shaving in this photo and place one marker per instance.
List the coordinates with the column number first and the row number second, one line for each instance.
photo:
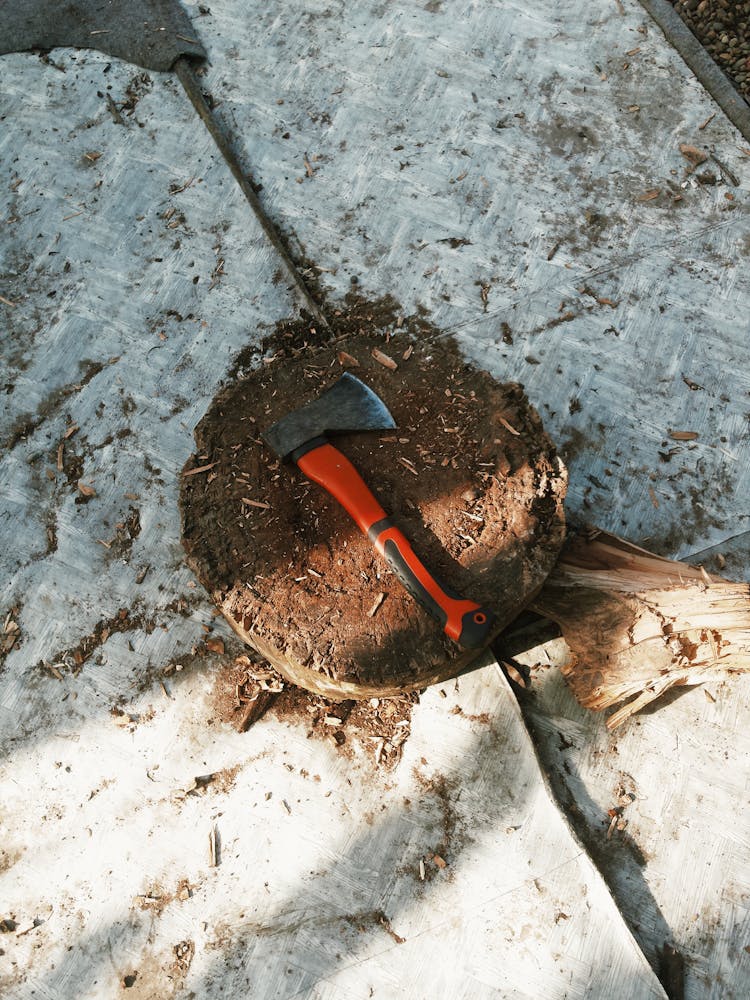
column 693, row 154
column 347, row 360
column 509, row 427
column 683, row 435
column 375, row 605
column 200, row 468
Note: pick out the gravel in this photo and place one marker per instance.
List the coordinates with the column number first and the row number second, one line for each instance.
column 723, row 28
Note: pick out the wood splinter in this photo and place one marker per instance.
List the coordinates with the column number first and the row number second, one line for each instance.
column 638, row 624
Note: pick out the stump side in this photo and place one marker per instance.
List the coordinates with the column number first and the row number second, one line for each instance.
column 470, row 474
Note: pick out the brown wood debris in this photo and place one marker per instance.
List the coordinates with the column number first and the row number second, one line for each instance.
column 638, row 624
column 384, row 359
column 693, row 154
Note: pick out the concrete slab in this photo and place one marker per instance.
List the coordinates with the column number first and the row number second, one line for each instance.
column 675, row 779
column 318, row 892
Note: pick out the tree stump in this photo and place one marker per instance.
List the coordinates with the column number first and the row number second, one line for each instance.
column 470, row 475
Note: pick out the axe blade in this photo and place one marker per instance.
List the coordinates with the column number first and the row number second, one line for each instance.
column 349, row 405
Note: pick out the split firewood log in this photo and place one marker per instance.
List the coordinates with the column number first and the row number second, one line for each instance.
column 638, row 624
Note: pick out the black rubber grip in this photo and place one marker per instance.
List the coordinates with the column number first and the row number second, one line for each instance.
column 476, row 624
column 476, row 627
column 411, row 584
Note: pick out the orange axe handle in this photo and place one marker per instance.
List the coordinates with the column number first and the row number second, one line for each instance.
column 465, row 622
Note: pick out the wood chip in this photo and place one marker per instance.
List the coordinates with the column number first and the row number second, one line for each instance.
column 85, row 490
column 70, row 431
column 200, row 468
column 384, row 359
column 707, row 121
column 60, row 452
column 408, row 465
column 255, row 709
column 182, row 187
column 440, row 862
column 509, row 427
column 408, row 352
column 375, row 605
column 654, row 498
column 515, row 674
column 7, row 302
column 347, row 360
column 649, row 195
column 213, row 847
column 726, row 172
column 683, row 435
column 29, row 925
column 693, row 154
column 215, row 645
column 257, row 503
column 308, row 167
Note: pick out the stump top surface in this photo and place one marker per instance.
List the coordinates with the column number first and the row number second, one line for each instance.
column 469, row 473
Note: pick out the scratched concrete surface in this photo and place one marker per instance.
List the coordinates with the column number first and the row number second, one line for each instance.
column 514, row 171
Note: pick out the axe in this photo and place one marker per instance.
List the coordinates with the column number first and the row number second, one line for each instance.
column 301, row 436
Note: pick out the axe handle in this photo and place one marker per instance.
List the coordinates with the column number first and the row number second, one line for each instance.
column 465, row 622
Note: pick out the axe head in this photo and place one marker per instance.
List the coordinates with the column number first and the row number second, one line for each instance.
column 349, row 405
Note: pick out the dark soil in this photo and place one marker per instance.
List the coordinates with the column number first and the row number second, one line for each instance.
column 723, row 28
column 470, row 473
